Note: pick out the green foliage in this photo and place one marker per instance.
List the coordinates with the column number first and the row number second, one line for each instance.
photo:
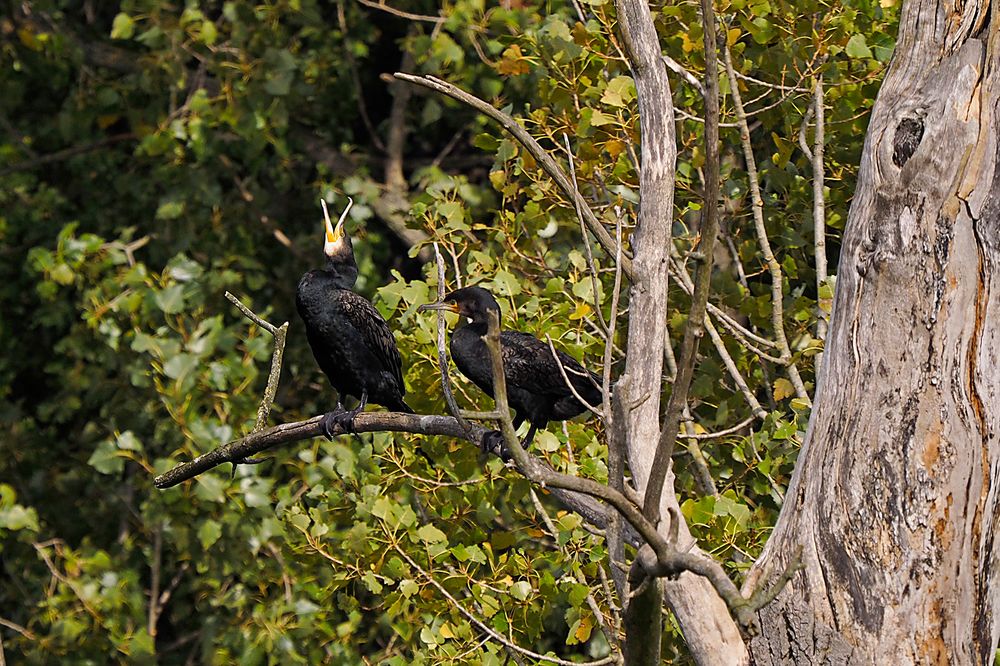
column 154, row 155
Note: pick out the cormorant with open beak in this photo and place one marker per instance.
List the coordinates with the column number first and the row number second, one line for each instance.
column 349, row 338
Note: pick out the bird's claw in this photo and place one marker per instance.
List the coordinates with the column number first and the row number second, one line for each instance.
column 493, row 442
column 340, row 418
column 246, row 461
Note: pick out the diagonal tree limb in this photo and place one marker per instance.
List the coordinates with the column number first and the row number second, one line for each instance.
column 695, row 327
column 541, row 155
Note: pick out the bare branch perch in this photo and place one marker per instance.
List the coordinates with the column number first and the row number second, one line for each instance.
column 287, row 433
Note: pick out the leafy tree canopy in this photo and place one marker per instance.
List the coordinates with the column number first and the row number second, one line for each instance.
column 154, row 155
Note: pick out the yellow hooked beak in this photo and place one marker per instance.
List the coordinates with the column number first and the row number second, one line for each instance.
column 334, row 233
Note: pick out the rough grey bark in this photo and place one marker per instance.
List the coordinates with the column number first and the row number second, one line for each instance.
column 894, row 497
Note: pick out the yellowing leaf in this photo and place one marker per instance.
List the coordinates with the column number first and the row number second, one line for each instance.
column 783, row 388
column 446, row 631
column 497, row 179
column 687, row 43
column 733, row 36
column 513, row 62
column 615, row 147
column 582, row 310
column 583, row 629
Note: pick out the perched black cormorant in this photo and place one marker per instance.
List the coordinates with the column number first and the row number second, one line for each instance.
column 349, row 338
column 536, row 388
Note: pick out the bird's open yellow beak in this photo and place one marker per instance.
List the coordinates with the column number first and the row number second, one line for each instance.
column 334, row 233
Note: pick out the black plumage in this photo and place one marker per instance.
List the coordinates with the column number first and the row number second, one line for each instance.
column 536, row 388
column 351, row 341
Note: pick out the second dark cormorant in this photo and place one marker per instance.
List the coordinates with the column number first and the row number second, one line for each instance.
column 349, row 338
column 536, row 388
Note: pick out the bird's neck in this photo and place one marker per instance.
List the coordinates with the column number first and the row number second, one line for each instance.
column 344, row 273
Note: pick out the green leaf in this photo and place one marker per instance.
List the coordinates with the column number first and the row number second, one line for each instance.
column 431, row 534
column 209, row 533
column 63, row 274
column 105, row 458
column 599, row 119
column 547, row 441
column 785, row 430
column 408, row 587
column 171, row 299
column 857, row 47
column 620, row 91
column 170, row 209
column 506, row 284
column 127, row 441
column 180, row 365
column 123, row 27
column 520, row 590
column 210, row 487
column 17, row 517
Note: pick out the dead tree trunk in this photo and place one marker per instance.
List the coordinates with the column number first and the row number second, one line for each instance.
column 894, row 497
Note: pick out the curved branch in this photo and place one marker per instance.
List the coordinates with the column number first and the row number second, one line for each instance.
column 542, row 156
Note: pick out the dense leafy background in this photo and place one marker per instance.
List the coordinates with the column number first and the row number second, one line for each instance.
column 154, row 155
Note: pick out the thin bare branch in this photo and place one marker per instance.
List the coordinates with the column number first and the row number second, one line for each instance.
column 449, row 397
column 757, row 206
column 542, row 156
column 819, row 203
column 409, row 16
column 678, row 69
column 576, row 394
column 591, row 267
column 154, row 584
column 703, row 475
column 721, row 433
column 274, row 375
column 18, row 628
column 267, row 326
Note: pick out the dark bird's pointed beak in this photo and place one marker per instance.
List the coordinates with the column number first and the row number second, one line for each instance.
column 441, row 305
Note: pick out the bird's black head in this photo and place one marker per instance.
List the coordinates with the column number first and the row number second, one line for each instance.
column 337, row 248
column 473, row 302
